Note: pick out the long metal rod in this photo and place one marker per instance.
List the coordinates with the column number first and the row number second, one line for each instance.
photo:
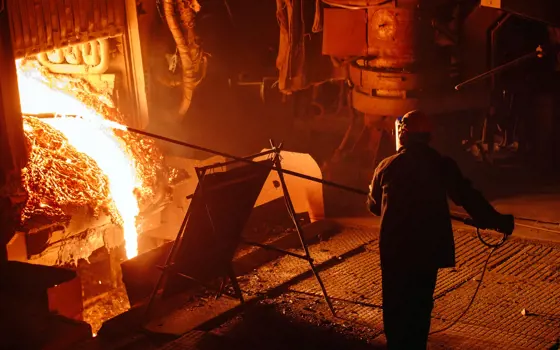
column 223, row 164
column 498, row 69
column 498, row 24
column 276, row 249
column 284, row 171
column 249, row 161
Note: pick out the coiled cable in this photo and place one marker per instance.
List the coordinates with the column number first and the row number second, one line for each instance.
column 493, row 247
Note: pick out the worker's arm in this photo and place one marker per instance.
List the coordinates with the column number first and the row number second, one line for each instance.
column 375, row 195
column 462, row 193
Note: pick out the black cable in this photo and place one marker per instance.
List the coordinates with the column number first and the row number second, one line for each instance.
column 493, row 247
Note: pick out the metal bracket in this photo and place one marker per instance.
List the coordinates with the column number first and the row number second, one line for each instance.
column 260, row 83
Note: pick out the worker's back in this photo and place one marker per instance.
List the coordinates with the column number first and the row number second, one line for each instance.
column 409, row 191
column 415, row 228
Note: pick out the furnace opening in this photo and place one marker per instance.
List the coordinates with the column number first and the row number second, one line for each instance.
column 83, row 171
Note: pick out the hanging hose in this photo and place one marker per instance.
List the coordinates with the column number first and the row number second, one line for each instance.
column 187, row 17
column 180, row 19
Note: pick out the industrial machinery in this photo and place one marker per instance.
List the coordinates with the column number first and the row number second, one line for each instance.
column 411, row 54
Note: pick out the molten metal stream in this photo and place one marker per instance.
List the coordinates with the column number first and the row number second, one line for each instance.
column 92, row 135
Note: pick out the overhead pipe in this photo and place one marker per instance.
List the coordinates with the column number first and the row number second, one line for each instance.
column 538, row 53
column 90, row 54
column 180, row 20
column 187, row 10
column 73, row 55
column 81, row 69
column 56, row 56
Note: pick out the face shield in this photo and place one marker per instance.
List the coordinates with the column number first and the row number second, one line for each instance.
column 398, row 124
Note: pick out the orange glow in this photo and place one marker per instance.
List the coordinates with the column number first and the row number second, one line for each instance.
column 90, row 133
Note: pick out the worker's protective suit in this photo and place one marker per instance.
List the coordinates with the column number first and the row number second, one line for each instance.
column 409, row 191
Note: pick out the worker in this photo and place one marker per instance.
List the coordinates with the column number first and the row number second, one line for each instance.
column 409, row 190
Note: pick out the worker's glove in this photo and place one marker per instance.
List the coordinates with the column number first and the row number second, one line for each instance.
column 505, row 224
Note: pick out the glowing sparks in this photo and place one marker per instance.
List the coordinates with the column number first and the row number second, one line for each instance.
column 58, row 177
column 91, row 134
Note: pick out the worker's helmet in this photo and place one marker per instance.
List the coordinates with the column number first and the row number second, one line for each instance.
column 414, row 125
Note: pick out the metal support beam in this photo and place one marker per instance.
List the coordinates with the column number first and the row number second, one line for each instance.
column 13, row 154
column 13, row 150
column 546, row 11
column 134, row 61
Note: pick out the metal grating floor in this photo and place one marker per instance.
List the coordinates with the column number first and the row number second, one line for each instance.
column 521, row 275
column 497, row 311
column 188, row 341
column 351, row 242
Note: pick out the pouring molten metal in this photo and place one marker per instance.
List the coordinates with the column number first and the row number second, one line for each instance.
column 77, row 157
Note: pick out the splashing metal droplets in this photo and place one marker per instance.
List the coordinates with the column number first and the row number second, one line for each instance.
column 89, row 134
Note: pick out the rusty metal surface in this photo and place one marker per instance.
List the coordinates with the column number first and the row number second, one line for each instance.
column 188, row 341
column 385, row 80
column 192, row 315
column 344, row 32
column 392, row 35
column 376, row 107
column 42, row 25
column 380, row 106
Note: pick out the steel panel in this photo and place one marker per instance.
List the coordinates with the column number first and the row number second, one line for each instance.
column 344, row 32
column 43, row 25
